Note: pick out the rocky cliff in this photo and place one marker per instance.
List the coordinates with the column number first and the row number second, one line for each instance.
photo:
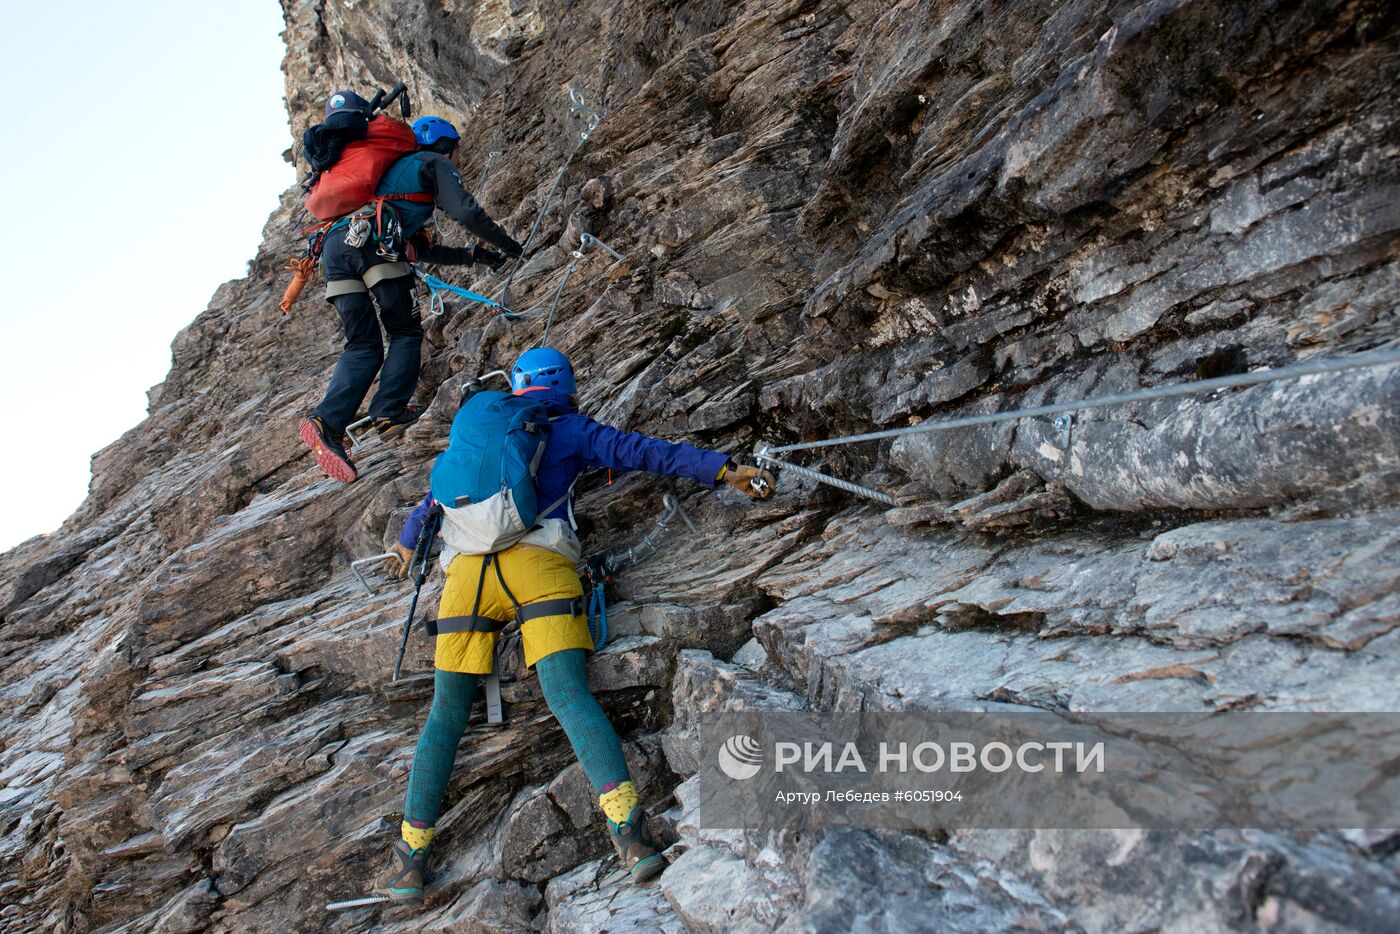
column 833, row 216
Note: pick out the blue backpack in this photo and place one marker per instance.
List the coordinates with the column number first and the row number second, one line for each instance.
column 485, row 480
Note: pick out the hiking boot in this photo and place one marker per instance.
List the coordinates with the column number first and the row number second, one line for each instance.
column 402, row 880
column 391, row 429
column 639, row 855
column 329, row 449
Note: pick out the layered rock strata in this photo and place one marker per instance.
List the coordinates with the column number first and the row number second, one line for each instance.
column 833, row 217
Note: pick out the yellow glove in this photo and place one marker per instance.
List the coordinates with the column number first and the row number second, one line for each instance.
column 398, row 566
column 754, row 482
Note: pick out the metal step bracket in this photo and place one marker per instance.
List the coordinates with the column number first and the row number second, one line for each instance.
column 357, row 441
column 587, row 240
column 355, row 566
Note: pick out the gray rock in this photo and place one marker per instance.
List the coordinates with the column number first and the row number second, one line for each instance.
column 712, row 891
column 534, row 844
column 835, row 217
column 751, row 655
column 593, row 897
column 489, row 907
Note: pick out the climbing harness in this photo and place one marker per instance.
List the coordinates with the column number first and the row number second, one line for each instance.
column 387, row 231
column 387, row 226
column 585, row 243
column 578, row 106
column 508, row 631
column 765, row 454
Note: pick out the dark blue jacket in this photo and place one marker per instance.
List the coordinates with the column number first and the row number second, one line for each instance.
column 421, row 172
column 576, row 443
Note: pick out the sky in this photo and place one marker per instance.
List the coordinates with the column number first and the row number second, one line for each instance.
column 142, row 156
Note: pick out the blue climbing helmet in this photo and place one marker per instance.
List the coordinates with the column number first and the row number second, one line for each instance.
column 428, row 130
column 543, row 368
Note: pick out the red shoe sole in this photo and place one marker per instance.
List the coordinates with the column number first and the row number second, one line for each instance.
column 332, row 464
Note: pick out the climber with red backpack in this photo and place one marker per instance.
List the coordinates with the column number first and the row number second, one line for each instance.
column 377, row 195
column 503, row 494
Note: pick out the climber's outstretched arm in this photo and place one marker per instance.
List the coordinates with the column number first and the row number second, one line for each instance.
column 437, row 254
column 602, row 445
column 462, row 207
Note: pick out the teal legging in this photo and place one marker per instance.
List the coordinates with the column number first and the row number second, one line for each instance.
column 566, row 692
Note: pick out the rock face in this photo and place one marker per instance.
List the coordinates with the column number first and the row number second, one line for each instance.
column 832, row 217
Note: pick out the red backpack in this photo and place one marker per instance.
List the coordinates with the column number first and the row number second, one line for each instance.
column 350, row 183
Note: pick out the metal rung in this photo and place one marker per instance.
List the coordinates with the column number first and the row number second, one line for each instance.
column 350, row 431
column 476, row 384
column 359, row 576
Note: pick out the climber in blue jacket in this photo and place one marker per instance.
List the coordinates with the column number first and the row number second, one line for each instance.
column 538, row 570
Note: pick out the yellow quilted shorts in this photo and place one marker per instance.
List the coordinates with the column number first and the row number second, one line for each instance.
column 533, row 575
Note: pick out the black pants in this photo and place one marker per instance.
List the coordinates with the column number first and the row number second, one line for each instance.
column 364, row 353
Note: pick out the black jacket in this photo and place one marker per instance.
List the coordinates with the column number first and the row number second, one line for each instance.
column 438, row 175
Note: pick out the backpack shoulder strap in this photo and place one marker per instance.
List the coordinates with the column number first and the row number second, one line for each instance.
column 568, row 497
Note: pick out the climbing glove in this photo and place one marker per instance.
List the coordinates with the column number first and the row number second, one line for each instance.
column 488, row 257
column 754, row 482
column 398, row 565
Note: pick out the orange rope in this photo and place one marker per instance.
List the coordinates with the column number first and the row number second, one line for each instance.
column 302, row 271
